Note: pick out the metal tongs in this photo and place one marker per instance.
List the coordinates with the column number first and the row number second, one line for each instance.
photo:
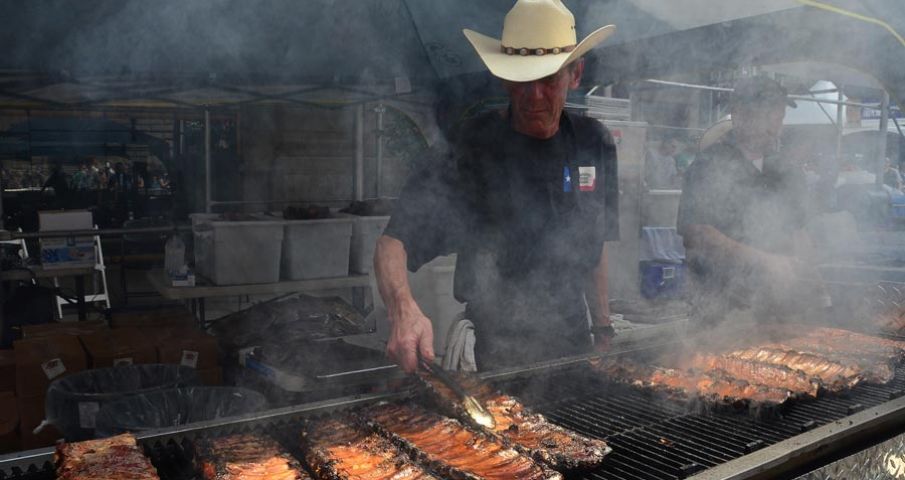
column 473, row 407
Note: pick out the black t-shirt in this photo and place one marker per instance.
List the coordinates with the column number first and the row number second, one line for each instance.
column 761, row 209
column 527, row 218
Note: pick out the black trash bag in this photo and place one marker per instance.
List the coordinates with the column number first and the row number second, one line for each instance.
column 73, row 402
column 175, row 407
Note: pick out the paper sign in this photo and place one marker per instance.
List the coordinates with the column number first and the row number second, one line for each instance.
column 88, row 414
column 189, row 359
column 53, row 368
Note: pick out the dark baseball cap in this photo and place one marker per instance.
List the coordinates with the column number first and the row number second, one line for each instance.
column 759, row 90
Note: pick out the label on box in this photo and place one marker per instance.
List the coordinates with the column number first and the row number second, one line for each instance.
column 189, row 359
column 53, row 368
column 88, row 414
column 122, row 362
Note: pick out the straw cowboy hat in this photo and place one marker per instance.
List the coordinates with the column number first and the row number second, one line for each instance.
column 538, row 39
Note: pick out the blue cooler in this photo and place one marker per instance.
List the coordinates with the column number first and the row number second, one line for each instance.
column 662, row 265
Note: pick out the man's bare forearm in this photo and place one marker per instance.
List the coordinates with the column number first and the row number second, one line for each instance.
column 707, row 240
column 390, row 262
column 597, row 295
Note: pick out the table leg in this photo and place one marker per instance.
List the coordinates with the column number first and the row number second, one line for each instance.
column 80, row 297
column 201, row 312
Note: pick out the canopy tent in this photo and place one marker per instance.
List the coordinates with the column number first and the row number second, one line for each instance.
column 174, row 54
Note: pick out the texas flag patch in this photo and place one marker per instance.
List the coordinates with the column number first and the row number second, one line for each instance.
column 587, row 179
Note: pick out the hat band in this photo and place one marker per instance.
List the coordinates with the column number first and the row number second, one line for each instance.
column 536, row 51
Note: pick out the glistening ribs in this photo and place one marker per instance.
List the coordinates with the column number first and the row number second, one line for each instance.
column 340, row 449
column 758, row 373
column 714, row 385
column 114, row 458
column 823, row 358
column 530, row 433
column 246, row 456
column 456, row 451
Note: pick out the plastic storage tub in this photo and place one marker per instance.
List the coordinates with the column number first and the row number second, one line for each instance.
column 365, row 232
column 316, row 248
column 237, row 252
column 176, row 407
column 73, row 402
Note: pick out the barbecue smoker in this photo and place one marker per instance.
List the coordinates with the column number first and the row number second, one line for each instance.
column 852, row 435
column 652, row 438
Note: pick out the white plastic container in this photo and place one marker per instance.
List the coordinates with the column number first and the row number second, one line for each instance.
column 316, row 248
column 365, row 232
column 237, row 252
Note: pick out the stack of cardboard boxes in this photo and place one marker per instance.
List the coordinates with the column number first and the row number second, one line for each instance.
column 49, row 352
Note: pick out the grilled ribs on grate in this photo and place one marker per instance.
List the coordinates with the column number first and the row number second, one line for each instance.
column 341, row 449
column 114, row 458
column 823, row 358
column 246, row 456
column 454, row 450
column 713, row 385
column 758, row 373
column 529, row 432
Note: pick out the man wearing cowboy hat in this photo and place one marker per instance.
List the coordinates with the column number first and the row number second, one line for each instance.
column 527, row 200
column 742, row 211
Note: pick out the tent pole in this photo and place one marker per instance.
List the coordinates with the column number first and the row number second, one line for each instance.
column 207, row 161
column 881, row 143
column 840, row 125
column 380, row 111
column 359, row 185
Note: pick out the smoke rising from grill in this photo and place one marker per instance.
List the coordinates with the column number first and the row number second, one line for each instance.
column 371, row 44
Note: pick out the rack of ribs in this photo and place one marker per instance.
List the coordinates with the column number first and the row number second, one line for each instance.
column 528, row 432
column 246, row 456
column 874, row 368
column 758, row 373
column 835, row 376
column 342, row 449
column 451, row 448
column 113, row 458
column 710, row 385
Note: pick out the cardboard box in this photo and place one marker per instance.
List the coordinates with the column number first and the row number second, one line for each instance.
column 113, row 348
column 66, row 252
column 191, row 349
column 211, row 377
column 7, row 371
column 9, row 423
column 165, row 316
column 31, row 414
column 62, row 328
column 39, row 361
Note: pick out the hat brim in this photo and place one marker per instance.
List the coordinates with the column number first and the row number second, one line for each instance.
column 518, row 68
column 715, row 133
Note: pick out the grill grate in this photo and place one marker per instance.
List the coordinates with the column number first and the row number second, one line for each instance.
column 658, row 439
column 652, row 438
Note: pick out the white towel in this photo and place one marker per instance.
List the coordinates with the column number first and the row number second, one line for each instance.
column 460, row 346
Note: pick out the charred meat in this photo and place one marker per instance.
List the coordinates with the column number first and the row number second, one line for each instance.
column 114, row 458
column 758, row 373
column 529, row 432
column 455, row 450
column 711, row 385
column 835, row 376
column 340, row 449
column 246, row 456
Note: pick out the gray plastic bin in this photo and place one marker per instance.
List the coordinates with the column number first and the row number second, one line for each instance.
column 237, row 252
column 316, row 248
column 365, row 232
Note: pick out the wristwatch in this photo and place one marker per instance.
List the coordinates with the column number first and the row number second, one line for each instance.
column 604, row 330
